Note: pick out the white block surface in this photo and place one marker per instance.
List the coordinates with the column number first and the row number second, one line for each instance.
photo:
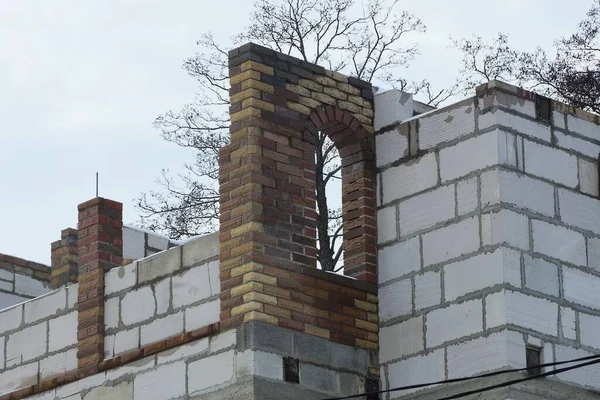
column 165, row 382
column 399, row 259
column 211, row 371
column 395, row 300
column 445, row 125
column 453, row 322
column 451, row 241
column 550, row 163
column 409, row 178
column 558, row 242
column 426, row 210
column 401, row 339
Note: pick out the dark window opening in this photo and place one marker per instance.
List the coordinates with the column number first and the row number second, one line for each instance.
column 534, row 359
column 291, row 370
column 543, row 109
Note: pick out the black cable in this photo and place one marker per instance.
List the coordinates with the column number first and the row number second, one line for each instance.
column 515, row 381
column 486, row 375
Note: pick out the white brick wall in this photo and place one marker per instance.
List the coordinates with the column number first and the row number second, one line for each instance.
column 586, row 376
column 426, row 210
column 466, row 196
column 399, row 259
column 192, row 286
column 588, row 177
column 420, row 369
column 395, row 300
column 522, row 125
column 453, row 322
column 581, row 288
column 400, row 340
column 451, row 241
column 202, row 315
column 392, row 106
column 428, row 290
column 583, row 127
column 409, row 178
column 550, row 163
column 579, row 210
column 386, row 224
column 590, row 330
column 165, row 382
column 26, row 344
column 505, row 226
column 569, row 323
column 530, row 312
column 45, row 306
column 62, row 332
column 541, row 276
column 558, row 242
column 475, row 273
column 162, row 328
column 390, row 147
column 138, row 306
column 120, row 278
column 211, row 371
column 478, row 356
column 445, row 125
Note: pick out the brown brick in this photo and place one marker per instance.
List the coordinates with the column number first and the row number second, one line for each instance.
column 278, row 311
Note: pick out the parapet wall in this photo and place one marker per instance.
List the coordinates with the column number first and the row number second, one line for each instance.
column 489, row 233
column 21, row 280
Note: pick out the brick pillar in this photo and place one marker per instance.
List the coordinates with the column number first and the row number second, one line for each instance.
column 100, row 246
column 64, row 259
column 267, row 180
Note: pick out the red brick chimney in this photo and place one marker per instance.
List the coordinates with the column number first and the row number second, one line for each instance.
column 100, row 247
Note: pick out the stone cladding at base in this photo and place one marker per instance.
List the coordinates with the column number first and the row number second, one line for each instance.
column 267, row 187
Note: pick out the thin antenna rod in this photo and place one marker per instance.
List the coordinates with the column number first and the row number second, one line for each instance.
column 96, row 184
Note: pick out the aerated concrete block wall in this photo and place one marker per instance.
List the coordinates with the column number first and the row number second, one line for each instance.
column 138, row 243
column 489, row 239
column 21, row 280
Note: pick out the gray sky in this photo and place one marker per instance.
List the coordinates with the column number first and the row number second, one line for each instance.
column 81, row 82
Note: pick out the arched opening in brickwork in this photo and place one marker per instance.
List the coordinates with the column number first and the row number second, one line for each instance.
column 356, row 150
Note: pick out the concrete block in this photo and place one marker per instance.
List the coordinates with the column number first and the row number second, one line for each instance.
column 478, row 356
column 579, row 210
column 588, row 376
column 588, row 177
column 72, row 291
column 568, row 322
column 8, row 286
column 518, row 190
column 401, row 339
column 579, row 145
column 137, row 306
column 214, row 277
column 19, row 377
column 319, row 378
column 202, row 315
column 62, row 332
column 11, row 318
column 162, row 294
column 593, row 253
column 165, row 382
column 541, row 276
column 311, row 348
column 447, row 124
column 26, row 344
column 268, row 365
column 58, row 364
column 399, row 259
column 515, row 103
column 121, row 391
column 558, row 242
column 589, row 326
column 533, row 313
column 505, row 226
column 451, row 241
column 47, row 395
column 134, row 243
column 453, row 322
column 75, row 388
column 559, row 119
column 223, row 340
column 186, row 351
column 581, row 288
column 111, row 313
column 28, row 286
column 348, row 358
column 495, row 310
column 473, row 154
column 126, row 340
column 466, row 196
column 415, row 370
column 411, row 177
column 583, row 127
column 476, row 273
column 191, row 287
column 391, row 146
column 386, row 224
column 162, row 328
column 120, row 278
column 7, row 275
column 522, row 125
column 198, row 250
column 160, row 264
column 45, row 306
column 550, row 163
column 9, row 300
column 428, row 290
column 270, row 338
column 210, row 371
column 391, row 107
column 157, row 241
column 395, row 300
column 426, row 210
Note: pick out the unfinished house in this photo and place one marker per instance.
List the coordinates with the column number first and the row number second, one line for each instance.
column 471, row 260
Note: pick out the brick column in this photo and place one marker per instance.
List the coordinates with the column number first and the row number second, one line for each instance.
column 100, row 247
column 64, row 255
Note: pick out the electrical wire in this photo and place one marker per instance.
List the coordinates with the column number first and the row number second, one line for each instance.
column 595, row 358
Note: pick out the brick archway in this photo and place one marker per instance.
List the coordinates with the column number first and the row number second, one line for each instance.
column 267, row 189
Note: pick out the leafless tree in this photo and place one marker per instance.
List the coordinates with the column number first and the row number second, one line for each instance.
column 572, row 75
column 369, row 40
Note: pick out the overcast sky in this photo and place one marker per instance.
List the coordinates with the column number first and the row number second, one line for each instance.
column 81, row 82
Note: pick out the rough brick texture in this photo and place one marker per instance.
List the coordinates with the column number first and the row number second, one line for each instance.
column 267, row 183
column 38, row 271
column 64, row 259
column 100, row 248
